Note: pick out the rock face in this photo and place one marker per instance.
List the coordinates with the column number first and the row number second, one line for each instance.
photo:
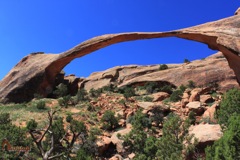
column 36, row 73
column 213, row 69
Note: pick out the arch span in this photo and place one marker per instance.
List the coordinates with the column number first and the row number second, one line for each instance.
column 36, row 73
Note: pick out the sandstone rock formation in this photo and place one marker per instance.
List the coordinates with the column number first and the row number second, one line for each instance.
column 208, row 71
column 36, row 72
column 206, row 134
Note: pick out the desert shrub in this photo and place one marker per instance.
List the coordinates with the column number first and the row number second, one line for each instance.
column 191, row 84
column 82, row 154
column 127, row 91
column 186, row 61
column 152, row 87
column 140, row 120
column 182, row 88
column 176, row 96
column 158, row 115
column 5, row 118
column 95, row 92
column 64, row 101
column 121, row 101
column 147, row 99
column 91, row 108
column 16, row 136
column 61, row 90
column 81, row 95
column 109, row 88
column 32, row 124
column 166, row 88
column 163, row 67
column 109, row 120
column 174, row 139
column 41, row 105
column 192, row 118
column 229, row 105
column 69, row 118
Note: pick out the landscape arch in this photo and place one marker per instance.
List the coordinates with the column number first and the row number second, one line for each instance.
column 36, row 72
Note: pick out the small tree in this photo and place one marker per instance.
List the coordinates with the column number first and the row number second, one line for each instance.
column 176, row 96
column 61, row 90
column 64, row 101
column 137, row 138
column 41, row 105
column 163, row 67
column 191, row 84
column 175, row 132
column 109, row 120
column 128, row 92
column 52, row 142
column 186, row 61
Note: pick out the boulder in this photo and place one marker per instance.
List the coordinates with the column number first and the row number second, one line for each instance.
column 116, row 157
column 206, row 133
column 195, row 107
column 195, row 95
column 159, row 96
column 209, row 113
column 206, row 99
column 146, row 106
column 118, row 142
column 103, row 144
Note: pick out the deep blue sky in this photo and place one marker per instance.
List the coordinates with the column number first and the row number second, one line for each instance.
column 53, row 26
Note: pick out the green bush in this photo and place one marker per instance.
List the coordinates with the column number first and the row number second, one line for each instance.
column 152, row 87
column 109, row 88
column 109, row 120
column 182, row 88
column 95, row 92
column 32, row 125
column 64, row 101
column 140, row 120
column 5, row 118
column 163, row 67
column 41, row 105
column 69, row 118
column 229, row 105
column 82, row 154
column 191, row 84
column 127, row 91
column 186, row 61
column 61, row 90
column 175, row 139
column 147, row 99
column 176, row 96
column 81, row 95
column 192, row 117
column 16, row 136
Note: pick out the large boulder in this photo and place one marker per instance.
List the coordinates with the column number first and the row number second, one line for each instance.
column 206, row 134
column 36, row 73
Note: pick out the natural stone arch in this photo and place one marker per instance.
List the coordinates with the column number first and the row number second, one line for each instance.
column 36, row 72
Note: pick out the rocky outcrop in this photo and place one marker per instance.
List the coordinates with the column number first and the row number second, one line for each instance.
column 36, row 72
column 211, row 70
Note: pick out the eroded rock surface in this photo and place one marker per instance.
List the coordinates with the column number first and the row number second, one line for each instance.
column 213, row 69
column 36, row 73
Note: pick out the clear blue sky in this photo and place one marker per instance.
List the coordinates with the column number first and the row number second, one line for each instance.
column 53, row 26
